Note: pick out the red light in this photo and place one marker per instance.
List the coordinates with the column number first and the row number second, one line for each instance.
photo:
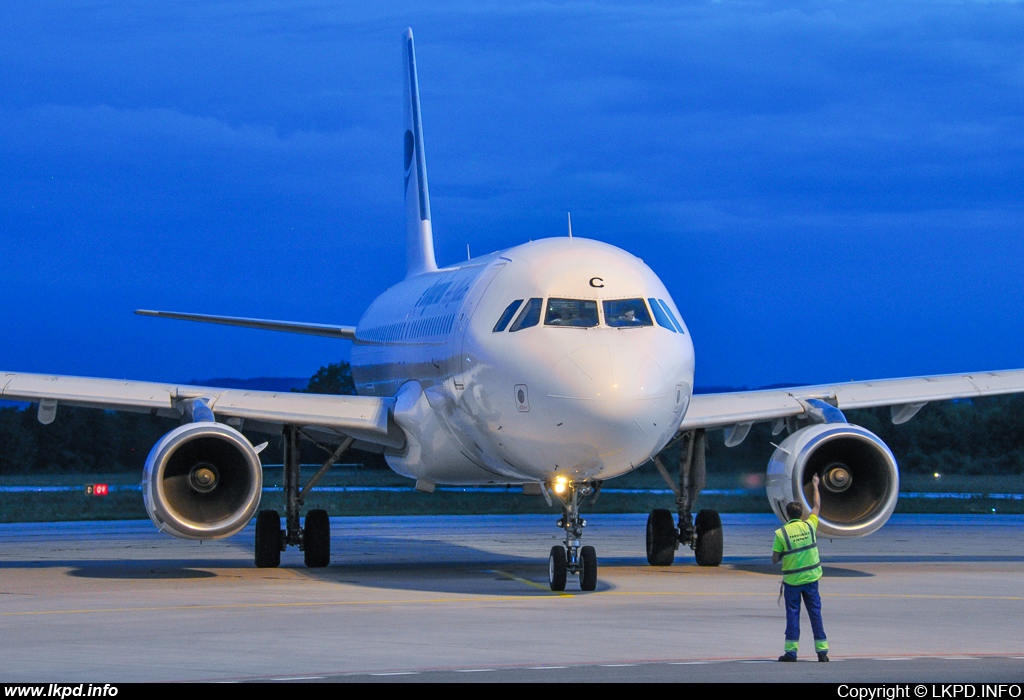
column 96, row 489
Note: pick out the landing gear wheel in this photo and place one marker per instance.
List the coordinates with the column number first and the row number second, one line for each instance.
column 268, row 539
column 588, row 568
column 316, row 539
column 558, row 568
column 661, row 538
column 709, row 538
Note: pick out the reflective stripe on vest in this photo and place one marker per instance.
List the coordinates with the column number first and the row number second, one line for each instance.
column 802, row 558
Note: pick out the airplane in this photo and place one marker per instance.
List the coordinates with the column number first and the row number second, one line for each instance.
column 556, row 364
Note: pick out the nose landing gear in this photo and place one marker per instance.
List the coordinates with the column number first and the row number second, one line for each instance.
column 572, row 558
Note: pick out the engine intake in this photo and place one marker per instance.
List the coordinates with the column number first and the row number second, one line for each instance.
column 202, row 481
column 859, row 484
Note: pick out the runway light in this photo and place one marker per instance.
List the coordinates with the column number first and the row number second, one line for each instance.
column 560, row 484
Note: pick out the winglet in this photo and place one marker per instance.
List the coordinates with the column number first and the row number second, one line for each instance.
column 419, row 249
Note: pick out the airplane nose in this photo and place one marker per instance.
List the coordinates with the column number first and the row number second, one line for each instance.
column 607, row 375
column 615, row 405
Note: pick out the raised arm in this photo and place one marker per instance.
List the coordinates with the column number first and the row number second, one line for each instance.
column 816, row 502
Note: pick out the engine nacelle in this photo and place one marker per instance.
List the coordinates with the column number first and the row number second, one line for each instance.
column 202, row 481
column 859, row 479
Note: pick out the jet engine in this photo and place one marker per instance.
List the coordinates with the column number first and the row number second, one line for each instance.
column 202, row 481
column 859, row 479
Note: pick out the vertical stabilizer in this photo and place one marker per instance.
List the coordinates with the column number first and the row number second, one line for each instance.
column 419, row 245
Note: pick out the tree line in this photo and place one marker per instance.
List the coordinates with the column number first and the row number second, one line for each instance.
column 976, row 436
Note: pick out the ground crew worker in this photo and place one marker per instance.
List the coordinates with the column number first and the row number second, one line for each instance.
column 796, row 546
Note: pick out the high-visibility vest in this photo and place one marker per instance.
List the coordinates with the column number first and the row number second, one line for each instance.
column 800, row 562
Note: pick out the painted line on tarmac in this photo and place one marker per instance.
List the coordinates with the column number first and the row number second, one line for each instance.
column 255, row 606
column 483, row 599
column 528, row 582
column 898, row 596
column 631, row 663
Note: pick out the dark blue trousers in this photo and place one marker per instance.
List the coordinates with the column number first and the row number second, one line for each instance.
column 809, row 593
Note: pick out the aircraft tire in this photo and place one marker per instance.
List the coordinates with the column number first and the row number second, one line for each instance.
column 661, row 538
column 588, row 570
column 316, row 539
column 268, row 539
column 557, row 568
column 709, row 538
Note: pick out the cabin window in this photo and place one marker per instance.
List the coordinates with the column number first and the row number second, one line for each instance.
column 506, row 316
column 529, row 316
column 571, row 313
column 626, row 313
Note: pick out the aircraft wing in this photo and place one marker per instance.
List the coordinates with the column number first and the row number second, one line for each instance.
column 365, row 418
column 904, row 396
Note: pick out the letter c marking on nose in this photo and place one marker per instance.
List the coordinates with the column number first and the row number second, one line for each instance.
column 596, row 282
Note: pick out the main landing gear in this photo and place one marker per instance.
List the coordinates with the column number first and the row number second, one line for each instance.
column 315, row 538
column 572, row 558
column 703, row 535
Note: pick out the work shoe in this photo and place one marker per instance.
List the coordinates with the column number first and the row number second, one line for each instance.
column 788, row 657
column 822, row 656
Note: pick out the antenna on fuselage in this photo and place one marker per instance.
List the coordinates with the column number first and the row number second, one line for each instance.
column 419, row 243
column 468, row 256
column 569, row 213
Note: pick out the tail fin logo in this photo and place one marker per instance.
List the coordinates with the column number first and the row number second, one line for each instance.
column 414, row 139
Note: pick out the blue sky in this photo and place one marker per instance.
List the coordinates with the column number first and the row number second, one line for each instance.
column 830, row 190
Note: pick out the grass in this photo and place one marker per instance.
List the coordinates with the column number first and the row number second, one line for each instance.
column 75, row 505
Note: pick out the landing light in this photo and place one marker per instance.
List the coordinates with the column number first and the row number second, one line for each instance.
column 937, row 475
column 560, row 483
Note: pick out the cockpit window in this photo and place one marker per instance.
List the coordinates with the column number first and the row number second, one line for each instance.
column 672, row 316
column 506, row 316
column 571, row 313
column 626, row 313
column 661, row 316
column 529, row 316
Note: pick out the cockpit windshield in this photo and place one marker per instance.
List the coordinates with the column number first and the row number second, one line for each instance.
column 583, row 313
column 665, row 316
column 626, row 313
column 571, row 313
column 528, row 317
column 506, row 316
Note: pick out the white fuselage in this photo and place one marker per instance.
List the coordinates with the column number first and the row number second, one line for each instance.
column 532, row 404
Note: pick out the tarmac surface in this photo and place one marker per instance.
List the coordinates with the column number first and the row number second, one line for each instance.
column 465, row 598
